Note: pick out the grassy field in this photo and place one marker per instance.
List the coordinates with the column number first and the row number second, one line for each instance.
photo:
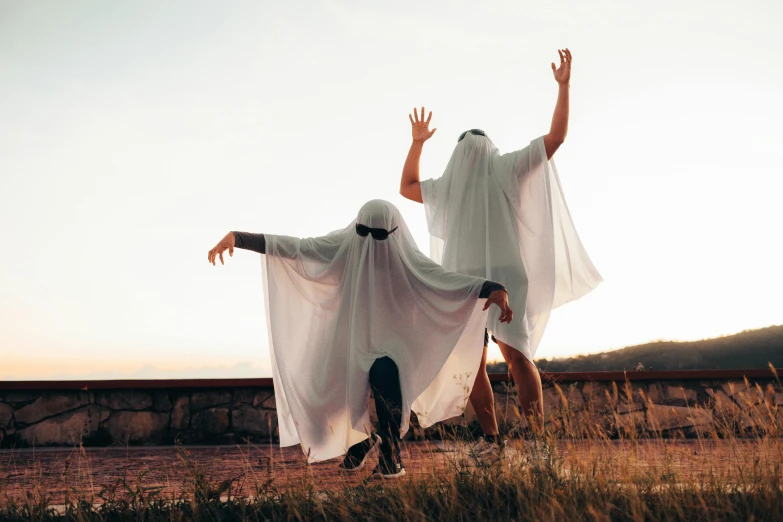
column 580, row 473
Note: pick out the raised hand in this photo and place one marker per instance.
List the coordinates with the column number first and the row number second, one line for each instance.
column 500, row 298
column 420, row 128
column 227, row 243
column 563, row 73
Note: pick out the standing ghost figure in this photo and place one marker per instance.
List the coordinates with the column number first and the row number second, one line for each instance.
column 358, row 308
column 504, row 217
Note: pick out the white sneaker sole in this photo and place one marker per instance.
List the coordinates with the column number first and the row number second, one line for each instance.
column 381, row 476
column 372, row 451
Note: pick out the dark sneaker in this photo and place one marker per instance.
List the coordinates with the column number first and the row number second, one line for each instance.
column 359, row 453
column 384, row 471
column 389, row 464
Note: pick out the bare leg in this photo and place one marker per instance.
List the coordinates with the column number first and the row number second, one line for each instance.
column 483, row 400
column 528, row 382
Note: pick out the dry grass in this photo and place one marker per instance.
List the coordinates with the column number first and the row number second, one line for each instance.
column 732, row 471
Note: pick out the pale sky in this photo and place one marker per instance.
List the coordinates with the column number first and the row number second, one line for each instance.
column 134, row 135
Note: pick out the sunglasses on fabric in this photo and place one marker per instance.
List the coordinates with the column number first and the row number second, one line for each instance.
column 377, row 233
column 476, row 132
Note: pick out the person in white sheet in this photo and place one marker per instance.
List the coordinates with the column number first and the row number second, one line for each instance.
column 504, row 217
column 363, row 308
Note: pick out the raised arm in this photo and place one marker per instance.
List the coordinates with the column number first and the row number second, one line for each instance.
column 409, row 184
column 559, row 128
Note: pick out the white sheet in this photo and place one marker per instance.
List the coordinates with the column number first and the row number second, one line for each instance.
column 336, row 303
column 504, row 217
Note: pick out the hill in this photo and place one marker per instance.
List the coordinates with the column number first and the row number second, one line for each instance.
column 745, row 350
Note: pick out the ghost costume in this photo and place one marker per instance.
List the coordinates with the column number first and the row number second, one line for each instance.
column 504, row 217
column 336, row 304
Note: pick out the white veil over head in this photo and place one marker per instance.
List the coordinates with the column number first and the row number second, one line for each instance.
column 337, row 303
column 504, row 217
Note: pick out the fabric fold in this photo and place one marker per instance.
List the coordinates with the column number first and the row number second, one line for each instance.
column 337, row 303
column 504, row 217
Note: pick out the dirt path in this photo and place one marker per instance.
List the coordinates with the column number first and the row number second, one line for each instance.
column 55, row 472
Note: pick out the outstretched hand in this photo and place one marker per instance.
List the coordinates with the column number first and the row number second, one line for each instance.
column 563, row 73
column 227, row 243
column 420, row 128
column 500, row 298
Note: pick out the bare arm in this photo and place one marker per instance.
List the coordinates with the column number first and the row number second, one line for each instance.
column 409, row 184
column 246, row 241
column 410, row 187
column 559, row 128
column 500, row 298
column 227, row 243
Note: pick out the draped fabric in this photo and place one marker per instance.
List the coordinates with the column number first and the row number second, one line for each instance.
column 337, row 303
column 504, row 217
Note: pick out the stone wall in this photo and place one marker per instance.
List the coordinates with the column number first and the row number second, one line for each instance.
column 162, row 413
column 119, row 417
column 661, row 408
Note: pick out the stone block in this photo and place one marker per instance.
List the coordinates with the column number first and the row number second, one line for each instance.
column 128, row 427
column 180, row 413
column 222, row 439
column 750, row 401
column 213, row 420
column 724, row 407
column 687, row 395
column 124, row 400
column 654, row 394
column 670, row 417
column 596, row 395
column 161, row 401
column 625, row 407
column 727, row 411
column 16, row 397
column 210, row 399
column 574, row 398
column 6, row 412
column 630, row 393
column 244, row 396
column 190, row 437
column 265, row 400
column 65, row 429
column 552, row 403
column 6, row 436
column 247, row 419
column 768, row 395
column 585, row 423
column 732, row 387
column 630, row 421
column 49, row 405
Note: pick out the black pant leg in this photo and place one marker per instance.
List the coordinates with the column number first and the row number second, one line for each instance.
column 385, row 383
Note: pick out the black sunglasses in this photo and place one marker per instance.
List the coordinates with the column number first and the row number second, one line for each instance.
column 377, row 233
column 477, row 132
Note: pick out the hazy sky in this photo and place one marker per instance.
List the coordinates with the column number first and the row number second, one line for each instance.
column 134, row 135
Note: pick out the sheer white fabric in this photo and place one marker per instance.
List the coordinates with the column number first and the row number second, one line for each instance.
column 504, row 217
column 337, row 303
